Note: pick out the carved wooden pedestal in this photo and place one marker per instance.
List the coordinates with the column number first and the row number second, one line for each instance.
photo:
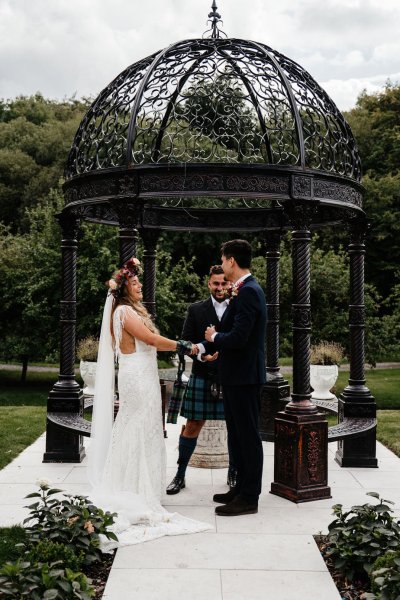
column 301, row 463
column 211, row 450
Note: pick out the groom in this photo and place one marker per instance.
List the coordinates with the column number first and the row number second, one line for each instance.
column 240, row 342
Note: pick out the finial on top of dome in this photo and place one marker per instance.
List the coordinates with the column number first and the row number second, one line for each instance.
column 214, row 18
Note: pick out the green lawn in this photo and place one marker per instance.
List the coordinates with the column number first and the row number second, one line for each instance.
column 19, row 427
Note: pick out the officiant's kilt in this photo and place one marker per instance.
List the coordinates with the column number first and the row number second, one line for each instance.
column 198, row 403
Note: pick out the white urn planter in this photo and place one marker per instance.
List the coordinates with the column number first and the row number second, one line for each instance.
column 88, row 374
column 323, row 378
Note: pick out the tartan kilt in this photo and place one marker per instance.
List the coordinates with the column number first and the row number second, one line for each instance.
column 198, row 404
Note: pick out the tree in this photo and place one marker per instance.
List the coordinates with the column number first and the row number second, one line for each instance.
column 35, row 137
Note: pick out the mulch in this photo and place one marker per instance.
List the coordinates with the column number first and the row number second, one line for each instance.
column 98, row 573
column 348, row 590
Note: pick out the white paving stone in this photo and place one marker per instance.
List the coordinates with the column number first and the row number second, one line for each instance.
column 162, row 584
column 279, row 585
column 225, row 551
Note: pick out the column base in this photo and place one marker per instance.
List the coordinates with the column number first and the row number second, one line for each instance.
column 298, row 496
column 301, row 457
column 63, row 445
column 274, row 397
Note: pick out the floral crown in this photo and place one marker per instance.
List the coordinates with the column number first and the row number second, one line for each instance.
column 120, row 278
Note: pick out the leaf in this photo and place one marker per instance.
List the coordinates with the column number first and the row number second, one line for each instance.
column 373, row 494
column 50, row 594
column 34, row 495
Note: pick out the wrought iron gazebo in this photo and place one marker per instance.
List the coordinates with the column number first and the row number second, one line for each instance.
column 220, row 134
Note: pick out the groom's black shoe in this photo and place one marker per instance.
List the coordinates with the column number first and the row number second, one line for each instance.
column 176, row 485
column 225, row 498
column 238, row 506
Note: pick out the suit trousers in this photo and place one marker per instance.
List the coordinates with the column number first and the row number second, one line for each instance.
column 242, row 414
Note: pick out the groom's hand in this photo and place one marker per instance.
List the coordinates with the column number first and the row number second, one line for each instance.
column 209, row 333
column 209, row 357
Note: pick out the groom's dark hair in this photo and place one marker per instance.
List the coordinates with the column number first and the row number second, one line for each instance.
column 240, row 250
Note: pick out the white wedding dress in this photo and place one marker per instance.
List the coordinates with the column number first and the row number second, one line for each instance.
column 132, row 479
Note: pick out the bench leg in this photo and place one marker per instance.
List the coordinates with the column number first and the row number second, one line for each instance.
column 359, row 451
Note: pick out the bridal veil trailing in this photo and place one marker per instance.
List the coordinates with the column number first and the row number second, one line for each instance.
column 127, row 458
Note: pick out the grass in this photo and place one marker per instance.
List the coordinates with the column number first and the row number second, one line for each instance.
column 388, row 429
column 20, row 426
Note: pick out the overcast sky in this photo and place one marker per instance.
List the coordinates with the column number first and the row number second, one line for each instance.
column 66, row 47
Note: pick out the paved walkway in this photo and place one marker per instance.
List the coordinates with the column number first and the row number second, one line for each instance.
column 271, row 555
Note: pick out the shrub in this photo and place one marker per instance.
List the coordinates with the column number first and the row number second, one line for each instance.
column 42, row 581
column 49, row 552
column 326, row 353
column 385, row 578
column 73, row 521
column 361, row 535
column 87, row 349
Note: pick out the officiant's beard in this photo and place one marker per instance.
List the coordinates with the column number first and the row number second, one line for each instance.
column 218, row 299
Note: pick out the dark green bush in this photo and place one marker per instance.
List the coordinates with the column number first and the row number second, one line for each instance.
column 42, row 581
column 385, row 578
column 361, row 535
column 49, row 552
column 73, row 521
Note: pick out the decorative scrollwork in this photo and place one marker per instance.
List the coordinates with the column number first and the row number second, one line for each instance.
column 217, row 100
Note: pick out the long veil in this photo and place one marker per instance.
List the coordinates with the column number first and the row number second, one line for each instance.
column 103, row 401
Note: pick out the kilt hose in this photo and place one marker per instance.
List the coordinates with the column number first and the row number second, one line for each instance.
column 199, row 404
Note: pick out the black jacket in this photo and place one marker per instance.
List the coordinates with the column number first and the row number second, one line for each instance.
column 241, row 340
column 199, row 316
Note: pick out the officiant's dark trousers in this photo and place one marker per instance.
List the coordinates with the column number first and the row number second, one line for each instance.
column 242, row 415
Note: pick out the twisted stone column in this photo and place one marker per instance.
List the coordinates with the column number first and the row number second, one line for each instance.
column 150, row 238
column 356, row 399
column 301, row 433
column 66, row 395
column 276, row 390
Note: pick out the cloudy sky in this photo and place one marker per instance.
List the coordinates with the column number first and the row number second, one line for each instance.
column 66, row 47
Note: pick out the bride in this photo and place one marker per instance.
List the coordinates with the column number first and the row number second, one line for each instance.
column 127, row 458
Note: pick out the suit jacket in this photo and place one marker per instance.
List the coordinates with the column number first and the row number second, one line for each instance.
column 241, row 337
column 199, row 316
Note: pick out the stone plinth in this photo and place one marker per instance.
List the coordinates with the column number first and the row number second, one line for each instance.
column 211, row 450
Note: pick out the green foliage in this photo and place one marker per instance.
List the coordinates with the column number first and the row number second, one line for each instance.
column 177, row 286
column 35, row 137
column 62, row 537
column 9, row 538
column 73, row 521
column 362, row 534
column 43, row 581
column 385, row 577
column 375, row 122
column 49, row 552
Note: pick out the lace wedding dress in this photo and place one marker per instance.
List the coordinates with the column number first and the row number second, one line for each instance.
column 132, row 480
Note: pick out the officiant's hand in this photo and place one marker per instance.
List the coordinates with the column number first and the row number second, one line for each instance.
column 209, row 333
column 209, row 357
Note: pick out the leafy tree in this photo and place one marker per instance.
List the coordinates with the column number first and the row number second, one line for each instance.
column 35, row 137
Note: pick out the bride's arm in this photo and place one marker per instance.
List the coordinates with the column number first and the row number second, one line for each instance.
column 136, row 328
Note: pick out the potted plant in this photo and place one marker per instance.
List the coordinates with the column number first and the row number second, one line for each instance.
column 325, row 360
column 87, row 353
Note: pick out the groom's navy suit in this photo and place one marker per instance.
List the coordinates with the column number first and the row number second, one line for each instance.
column 240, row 342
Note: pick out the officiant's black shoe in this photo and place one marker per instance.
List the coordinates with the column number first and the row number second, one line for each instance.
column 225, row 498
column 238, row 506
column 231, row 478
column 176, row 485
